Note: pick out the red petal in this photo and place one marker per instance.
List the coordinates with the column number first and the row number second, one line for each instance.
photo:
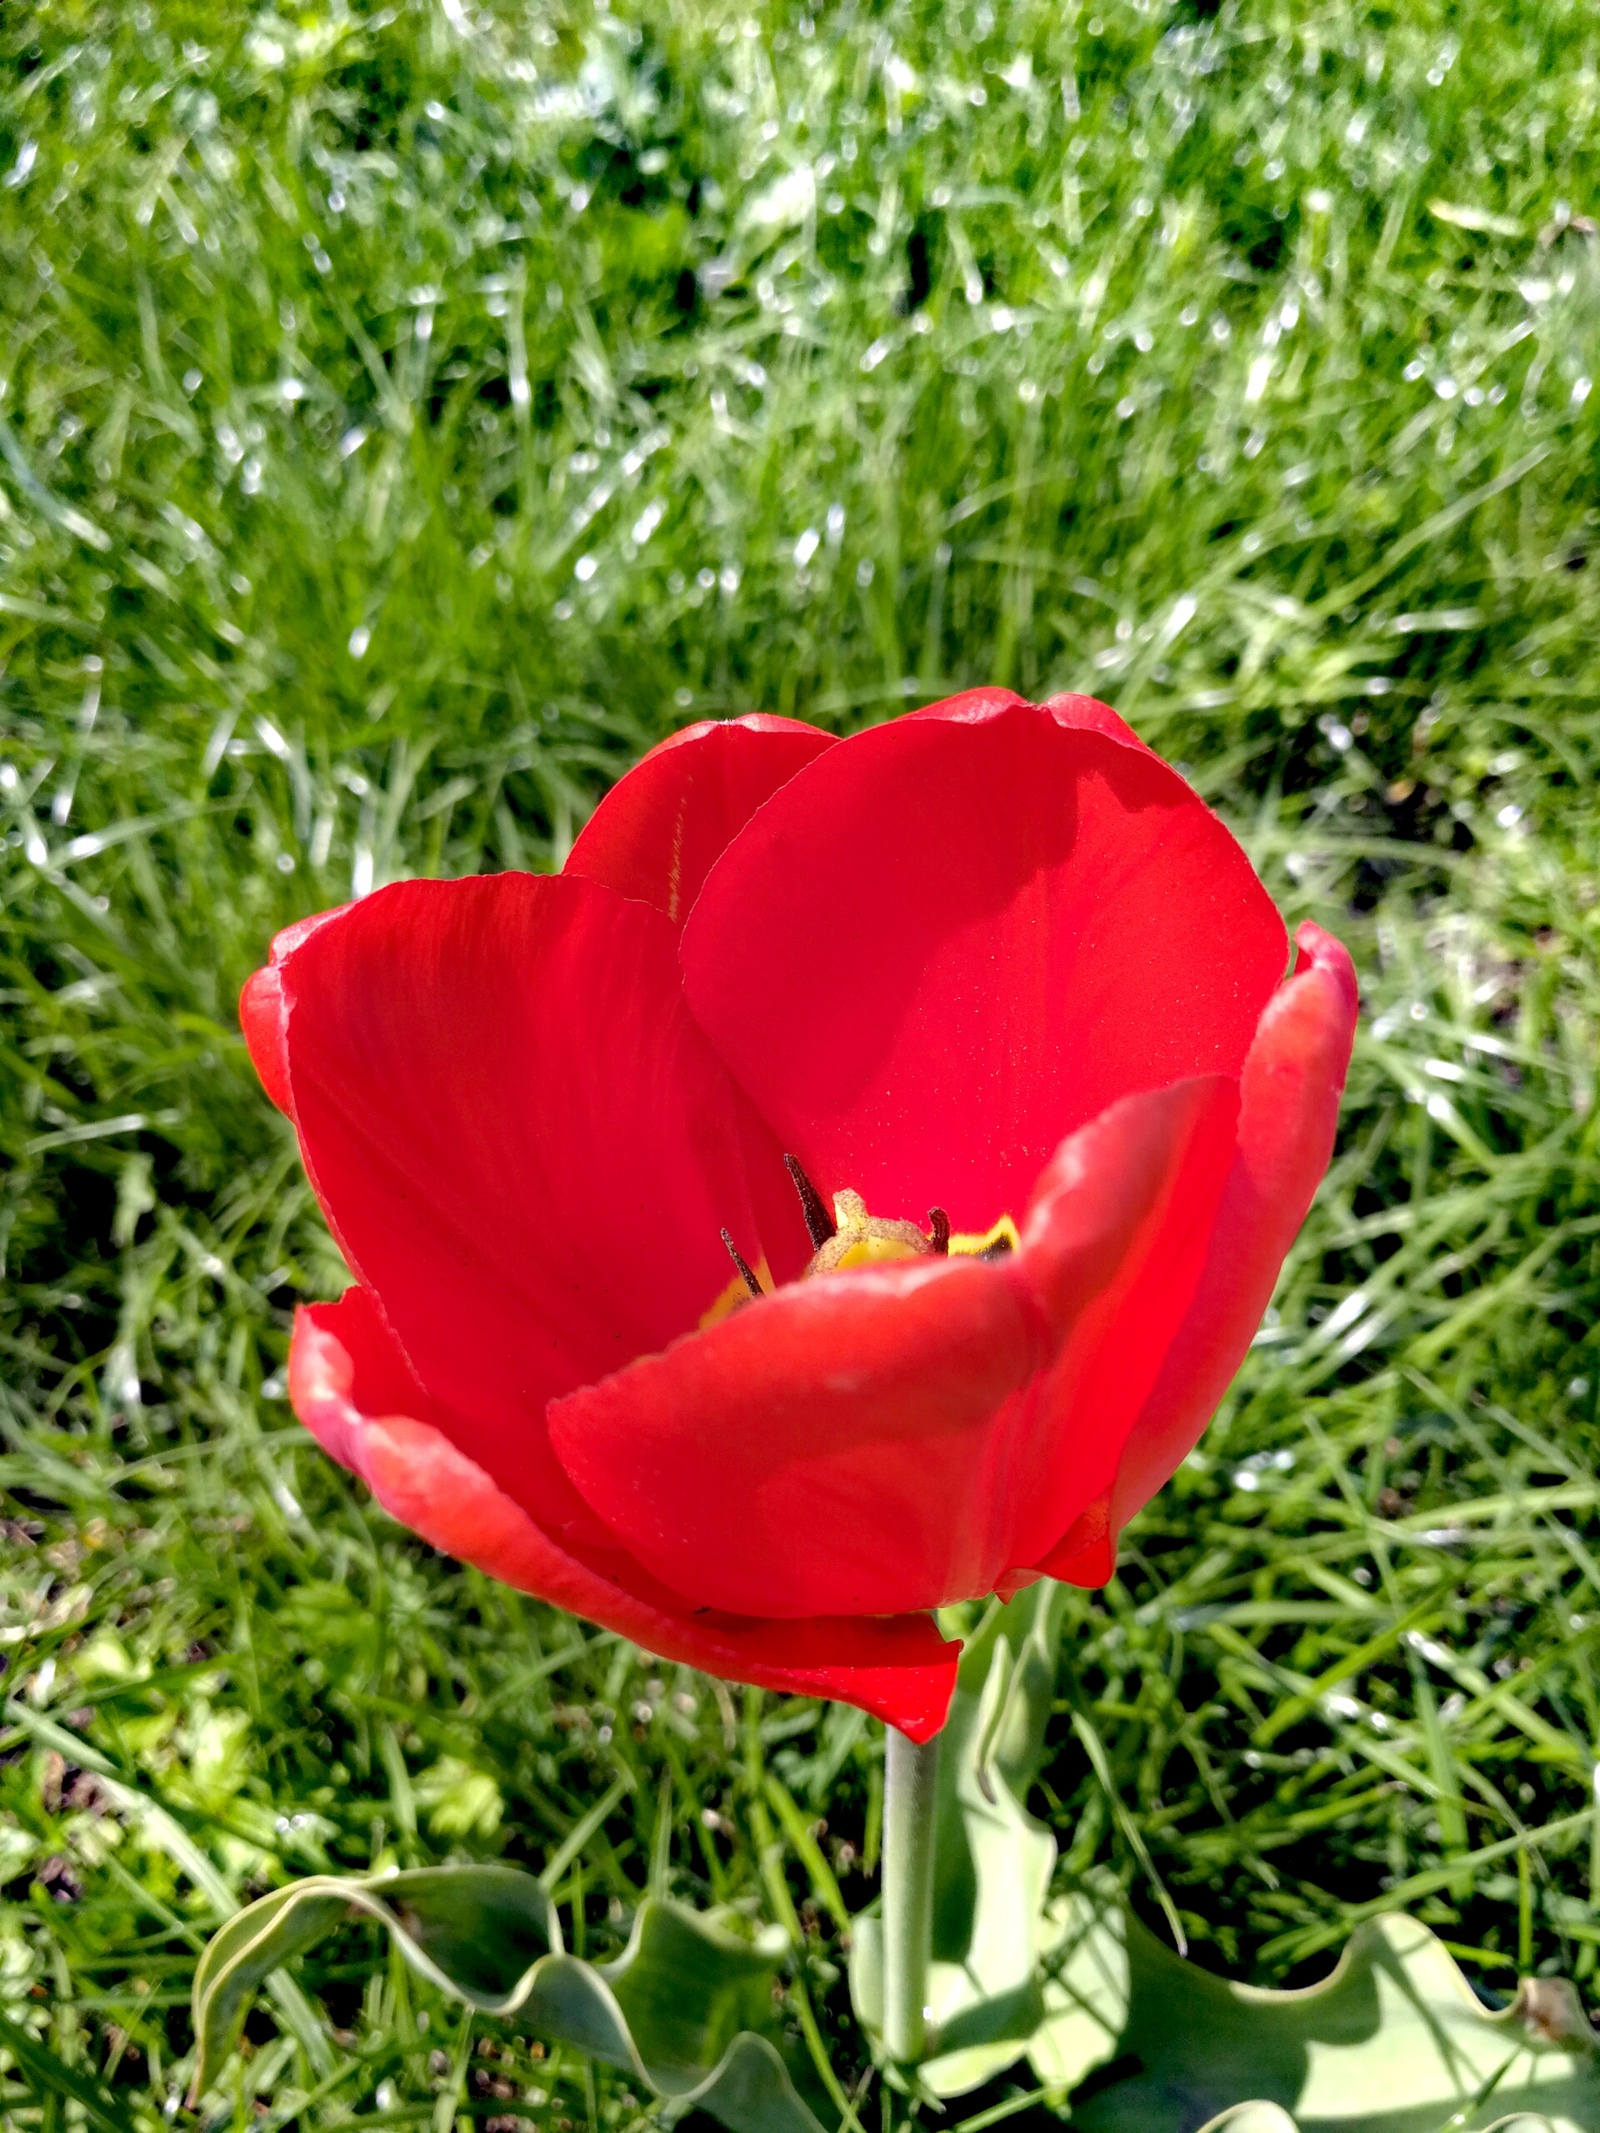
column 874, row 1440
column 1091, row 716
column 351, row 1387
column 1087, row 1553
column 1288, row 1110
column 814, row 1450
column 263, row 1016
column 523, row 1143
column 660, row 830
column 953, row 939
column 1173, row 1149
column 973, row 706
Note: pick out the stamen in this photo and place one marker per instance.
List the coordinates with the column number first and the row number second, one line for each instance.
column 743, row 1265
column 820, row 1225
column 939, row 1230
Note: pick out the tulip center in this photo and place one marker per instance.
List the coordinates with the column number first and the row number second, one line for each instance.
column 851, row 1236
column 862, row 1239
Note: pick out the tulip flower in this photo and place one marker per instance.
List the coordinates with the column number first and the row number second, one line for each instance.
column 848, row 1187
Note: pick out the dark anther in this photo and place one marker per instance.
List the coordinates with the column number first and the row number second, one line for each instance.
column 1000, row 1249
column 820, row 1225
column 939, row 1230
column 743, row 1265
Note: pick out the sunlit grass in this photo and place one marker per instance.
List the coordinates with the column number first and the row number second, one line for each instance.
column 406, row 417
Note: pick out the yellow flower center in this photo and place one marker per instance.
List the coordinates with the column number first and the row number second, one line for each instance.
column 851, row 1237
column 862, row 1239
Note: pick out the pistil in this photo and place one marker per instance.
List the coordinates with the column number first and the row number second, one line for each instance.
column 861, row 1239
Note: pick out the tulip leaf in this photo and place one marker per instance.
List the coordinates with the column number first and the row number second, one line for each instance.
column 1251, row 2118
column 686, row 2009
column 1394, row 2040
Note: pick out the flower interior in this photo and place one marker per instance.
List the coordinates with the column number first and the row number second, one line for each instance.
column 852, row 1237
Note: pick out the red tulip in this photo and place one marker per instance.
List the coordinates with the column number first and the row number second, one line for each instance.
column 992, row 970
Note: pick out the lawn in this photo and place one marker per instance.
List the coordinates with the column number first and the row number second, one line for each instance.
column 408, row 414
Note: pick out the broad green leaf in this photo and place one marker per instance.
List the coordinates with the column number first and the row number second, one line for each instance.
column 1394, row 2040
column 685, row 2008
column 1251, row 2118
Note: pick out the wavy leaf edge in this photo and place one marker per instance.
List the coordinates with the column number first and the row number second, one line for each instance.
column 1105, row 1988
column 748, row 2080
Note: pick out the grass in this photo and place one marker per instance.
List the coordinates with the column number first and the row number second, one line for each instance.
column 405, row 417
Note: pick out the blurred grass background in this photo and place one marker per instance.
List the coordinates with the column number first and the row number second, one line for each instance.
column 407, row 414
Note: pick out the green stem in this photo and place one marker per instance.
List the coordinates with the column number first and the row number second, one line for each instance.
column 910, row 1784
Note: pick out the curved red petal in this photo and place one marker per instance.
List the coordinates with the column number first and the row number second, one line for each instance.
column 660, row 829
column 971, row 707
column 954, row 938
column 1168, row 1151
column 1288, row 1111
column 1086, row 1554
column 904, row 1435
column 1089, row 715
column 263, row 1015
column 1085, row 713
column 522, row 1141
column 353, row 1389
column 263, row 1018
column 817, row 1449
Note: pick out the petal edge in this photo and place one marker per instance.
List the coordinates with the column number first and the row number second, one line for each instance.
column 1288, row 1112
column 664, row 824
column 342, row 1356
